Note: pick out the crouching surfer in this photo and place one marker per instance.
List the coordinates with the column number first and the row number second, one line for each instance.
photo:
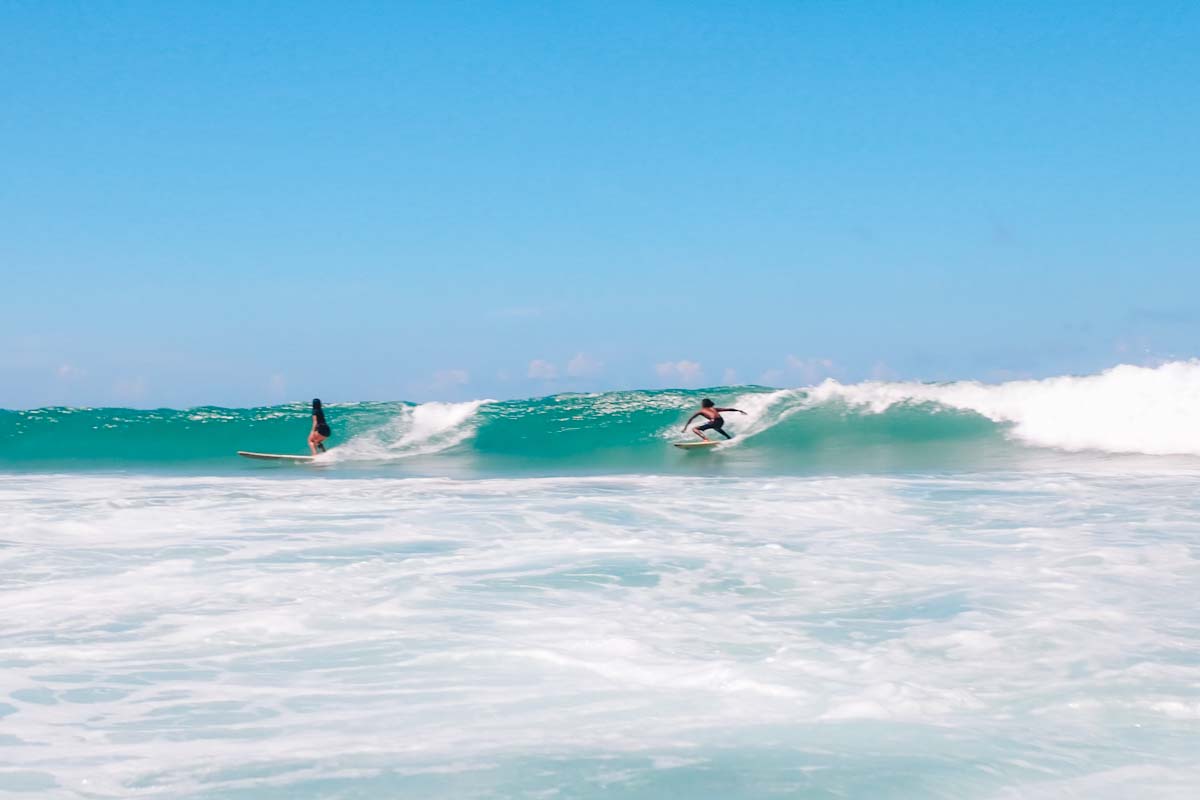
column 716, row 422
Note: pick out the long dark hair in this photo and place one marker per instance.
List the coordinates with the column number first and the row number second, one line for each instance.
column 319, row 411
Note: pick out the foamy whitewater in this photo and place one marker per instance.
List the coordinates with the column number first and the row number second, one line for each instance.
column 877, row 590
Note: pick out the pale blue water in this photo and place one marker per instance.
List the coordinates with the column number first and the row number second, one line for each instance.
column 1017, row 621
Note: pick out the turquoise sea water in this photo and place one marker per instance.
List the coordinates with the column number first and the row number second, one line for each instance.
column 880, row 590
column 614, row 433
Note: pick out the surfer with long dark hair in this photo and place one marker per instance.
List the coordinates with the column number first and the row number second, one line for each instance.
column 320, row 429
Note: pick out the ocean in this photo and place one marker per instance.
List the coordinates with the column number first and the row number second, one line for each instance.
column 876, row 590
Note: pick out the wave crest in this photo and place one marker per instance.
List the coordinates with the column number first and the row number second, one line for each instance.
column 872, row 425
column 1126, row 409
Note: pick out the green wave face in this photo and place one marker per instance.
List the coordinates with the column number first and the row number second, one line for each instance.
column 119, row 436
column 614, row 432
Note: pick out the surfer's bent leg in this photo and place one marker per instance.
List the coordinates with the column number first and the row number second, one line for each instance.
column 718, row 425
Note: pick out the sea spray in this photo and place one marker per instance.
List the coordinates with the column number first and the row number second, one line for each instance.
column 412, row 431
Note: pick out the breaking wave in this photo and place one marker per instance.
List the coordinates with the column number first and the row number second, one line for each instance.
column 1123, row 410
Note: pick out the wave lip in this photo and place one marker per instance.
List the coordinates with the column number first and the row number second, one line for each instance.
column 1125, row 409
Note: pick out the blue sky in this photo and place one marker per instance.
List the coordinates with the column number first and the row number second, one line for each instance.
column 249, row 203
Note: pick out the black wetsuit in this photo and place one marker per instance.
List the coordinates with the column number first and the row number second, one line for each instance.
column 717, row 424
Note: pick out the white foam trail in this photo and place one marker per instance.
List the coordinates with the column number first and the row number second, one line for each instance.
column 762, row 412
column 417, row 430
column 1126, row 409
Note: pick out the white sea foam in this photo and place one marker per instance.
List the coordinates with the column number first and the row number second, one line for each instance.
column 966, row 637
column 415, row 430
column 1126, row 409
column 763, row 410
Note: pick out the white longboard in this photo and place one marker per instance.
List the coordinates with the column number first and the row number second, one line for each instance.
column 690, row 445
column 276, row 457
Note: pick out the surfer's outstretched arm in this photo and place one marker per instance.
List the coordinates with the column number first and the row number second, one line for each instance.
column 737, row 410
column 689, row 422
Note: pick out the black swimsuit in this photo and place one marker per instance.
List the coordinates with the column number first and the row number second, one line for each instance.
column 716, row 424
column 322, row 426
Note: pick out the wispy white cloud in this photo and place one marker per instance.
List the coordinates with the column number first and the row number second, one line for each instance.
column 772, row 377
column 542, row 370
column 811, row 369
column 583, row 366
column 685, row 371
